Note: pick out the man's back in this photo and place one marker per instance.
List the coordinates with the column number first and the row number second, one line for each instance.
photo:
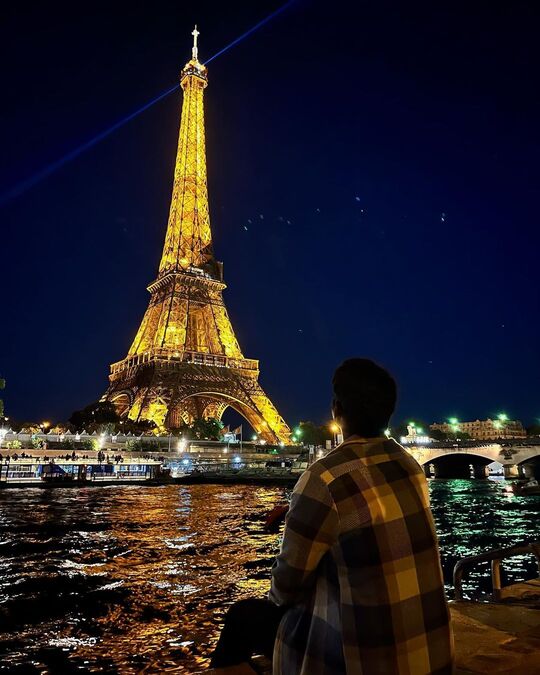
column 360, row 568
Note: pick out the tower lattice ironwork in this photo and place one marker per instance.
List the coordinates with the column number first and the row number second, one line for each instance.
column 185, row 361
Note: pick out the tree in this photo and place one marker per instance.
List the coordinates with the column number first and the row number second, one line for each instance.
column 89, row 418
column 202, row 429
column 310, row 433
column 138, row 427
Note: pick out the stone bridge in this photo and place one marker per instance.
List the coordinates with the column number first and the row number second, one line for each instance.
column 461, row 460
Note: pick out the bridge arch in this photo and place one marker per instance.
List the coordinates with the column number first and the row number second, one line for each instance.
column 460, row 465
column 529, row 467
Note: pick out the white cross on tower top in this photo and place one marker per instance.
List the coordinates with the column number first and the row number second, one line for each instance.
column 194, row 51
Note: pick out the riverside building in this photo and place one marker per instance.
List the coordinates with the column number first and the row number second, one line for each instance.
column 483, row 430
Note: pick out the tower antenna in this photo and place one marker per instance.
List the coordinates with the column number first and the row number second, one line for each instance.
column 195, row 51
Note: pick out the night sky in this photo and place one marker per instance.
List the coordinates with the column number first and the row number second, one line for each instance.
column 383, row 156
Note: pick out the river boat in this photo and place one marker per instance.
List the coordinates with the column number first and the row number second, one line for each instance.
column 531, row 487
column 66, row 471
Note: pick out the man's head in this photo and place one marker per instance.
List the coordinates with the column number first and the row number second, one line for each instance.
column 364, row 397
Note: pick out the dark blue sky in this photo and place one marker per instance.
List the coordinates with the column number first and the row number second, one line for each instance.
column 383, row 155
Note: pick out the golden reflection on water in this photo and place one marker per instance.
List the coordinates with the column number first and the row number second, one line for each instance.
column 137, row 579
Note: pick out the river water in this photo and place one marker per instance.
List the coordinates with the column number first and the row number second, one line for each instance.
column 136, row 579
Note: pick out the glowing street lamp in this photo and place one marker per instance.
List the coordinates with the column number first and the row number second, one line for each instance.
column 387, row 433
column 335, row 429
column 502, row 417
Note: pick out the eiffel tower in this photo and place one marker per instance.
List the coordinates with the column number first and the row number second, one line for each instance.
column 185, row 361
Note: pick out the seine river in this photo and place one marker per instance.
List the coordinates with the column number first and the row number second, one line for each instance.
column 136, row 579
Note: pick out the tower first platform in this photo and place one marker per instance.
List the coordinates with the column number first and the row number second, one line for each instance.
column 185, row 361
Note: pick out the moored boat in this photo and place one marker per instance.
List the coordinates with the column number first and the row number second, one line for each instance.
column 69, row 471
column 531, row 487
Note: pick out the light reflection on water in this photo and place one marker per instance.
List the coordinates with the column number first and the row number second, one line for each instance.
column 125, row 579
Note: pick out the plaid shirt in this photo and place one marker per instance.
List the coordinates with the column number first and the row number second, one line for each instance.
column 359, row 566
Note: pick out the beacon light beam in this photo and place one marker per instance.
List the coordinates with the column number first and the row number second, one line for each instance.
column 251, row 30
column 25, row 185
column 20, row 188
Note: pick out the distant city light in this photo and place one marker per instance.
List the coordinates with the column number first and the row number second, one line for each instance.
column 453, row 420
column 237, row 459
column 185, row 461
column 387, row 433
column 415, row 440
column 503, row 417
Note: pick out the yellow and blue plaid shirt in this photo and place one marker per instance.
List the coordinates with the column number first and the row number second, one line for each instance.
column 359, row 567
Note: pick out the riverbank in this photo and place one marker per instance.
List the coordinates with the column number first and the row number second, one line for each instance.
column 488, row 639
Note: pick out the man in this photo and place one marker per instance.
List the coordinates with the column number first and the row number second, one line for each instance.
column 357, row 587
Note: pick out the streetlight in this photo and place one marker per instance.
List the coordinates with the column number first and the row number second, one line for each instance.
column 454, row 424
column 335, row 429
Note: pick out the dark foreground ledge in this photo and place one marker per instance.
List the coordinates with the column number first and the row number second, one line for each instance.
column 490, row 638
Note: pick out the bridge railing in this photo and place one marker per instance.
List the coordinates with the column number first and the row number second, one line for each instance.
column 494, row 557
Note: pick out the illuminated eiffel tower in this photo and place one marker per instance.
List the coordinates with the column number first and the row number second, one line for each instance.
column 185, row 361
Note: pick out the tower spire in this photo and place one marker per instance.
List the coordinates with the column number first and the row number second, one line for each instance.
column 195, row 51
column 189, row 239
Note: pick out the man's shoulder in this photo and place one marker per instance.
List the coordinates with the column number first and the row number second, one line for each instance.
column 355, row 455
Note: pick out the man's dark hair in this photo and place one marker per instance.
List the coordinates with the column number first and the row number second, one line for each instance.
column 365, row 395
